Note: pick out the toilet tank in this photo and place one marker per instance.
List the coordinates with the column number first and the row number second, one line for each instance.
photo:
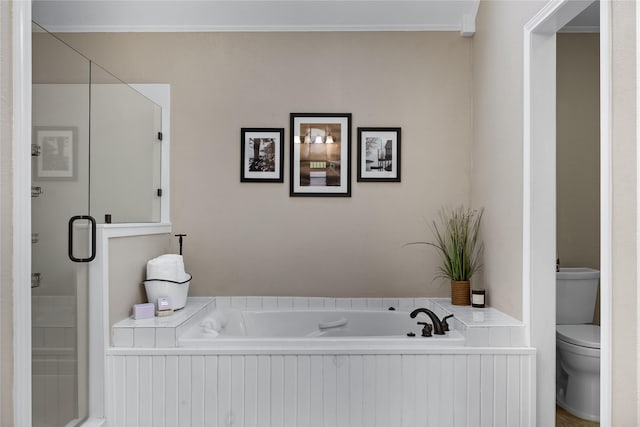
column 576, row 292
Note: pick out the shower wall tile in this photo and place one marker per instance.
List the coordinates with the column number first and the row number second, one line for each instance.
column 390, row 302
column 359, row 303
column 122, row 337
column 254, row 303
column 316, row 302
column 144, row 337
column 165, row 337
column 300, row 302
column 329, row 302
column 238, row 302
column 269, row 302
column 344, row 303
column 285, row 302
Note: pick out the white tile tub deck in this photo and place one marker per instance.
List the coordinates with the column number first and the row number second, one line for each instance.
column 481, row 327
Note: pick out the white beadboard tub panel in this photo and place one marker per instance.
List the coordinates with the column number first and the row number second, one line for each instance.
column 479, row 389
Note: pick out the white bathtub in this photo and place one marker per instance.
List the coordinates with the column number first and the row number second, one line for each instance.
column 312, row 329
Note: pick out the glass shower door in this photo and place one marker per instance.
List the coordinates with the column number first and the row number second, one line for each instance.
column 96, row 150
column 60, row 192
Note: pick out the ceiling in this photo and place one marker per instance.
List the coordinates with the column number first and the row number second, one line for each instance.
column 256, row 15
column 271, row 15
column 587, row 22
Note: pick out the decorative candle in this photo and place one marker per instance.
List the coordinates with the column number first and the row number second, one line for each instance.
column 478, row 298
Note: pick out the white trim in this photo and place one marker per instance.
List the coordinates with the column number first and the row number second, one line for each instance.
column 21, row 212
column 253, row 15
column 606, row 221
column 341, row 348
column 468, row 26
column 128, row 230
column 99, row 308
column 637, row 196
column 538, row 226
column 540, row 161
column 526, row 189
column 637, row 23
column 172, row 28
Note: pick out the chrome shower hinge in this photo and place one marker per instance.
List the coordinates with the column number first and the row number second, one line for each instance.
column 36, row 191
column 35, row 280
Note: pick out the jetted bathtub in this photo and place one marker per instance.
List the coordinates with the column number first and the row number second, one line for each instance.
column 312, row 328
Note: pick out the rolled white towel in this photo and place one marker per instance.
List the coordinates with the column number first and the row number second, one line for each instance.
column 214, row 323
column 167, row 267
column 209, row 328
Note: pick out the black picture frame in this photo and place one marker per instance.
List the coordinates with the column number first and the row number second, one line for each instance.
column 320, row 154
column 269, row 164
column 379, row 154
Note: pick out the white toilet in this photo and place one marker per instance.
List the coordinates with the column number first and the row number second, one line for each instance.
column 577, row 343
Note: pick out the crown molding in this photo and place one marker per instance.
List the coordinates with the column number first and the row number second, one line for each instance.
column 255, row 15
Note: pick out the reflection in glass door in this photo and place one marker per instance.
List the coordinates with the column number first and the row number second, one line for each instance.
column 60, row 191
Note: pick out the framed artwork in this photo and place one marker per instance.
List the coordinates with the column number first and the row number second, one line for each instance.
column 55, row 150
column 261, row 155
column 320, row 155
column 379, row 154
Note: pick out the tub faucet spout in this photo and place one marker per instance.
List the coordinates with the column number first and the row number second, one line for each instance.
column 437, row 324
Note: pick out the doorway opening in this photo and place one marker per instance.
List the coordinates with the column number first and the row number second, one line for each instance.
column 578, row 219
column 539, row 216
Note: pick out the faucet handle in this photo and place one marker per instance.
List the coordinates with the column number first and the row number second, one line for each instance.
column 445, row 325
column 427, row 329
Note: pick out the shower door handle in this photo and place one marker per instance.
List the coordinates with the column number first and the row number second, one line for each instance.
column 93, row 238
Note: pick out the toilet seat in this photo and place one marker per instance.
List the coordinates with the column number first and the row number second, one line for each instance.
column 581, row 335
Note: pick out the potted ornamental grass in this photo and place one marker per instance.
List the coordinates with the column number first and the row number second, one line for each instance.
column 456, row 242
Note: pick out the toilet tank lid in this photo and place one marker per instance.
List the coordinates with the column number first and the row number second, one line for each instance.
column 582, row 335
column 577, row 273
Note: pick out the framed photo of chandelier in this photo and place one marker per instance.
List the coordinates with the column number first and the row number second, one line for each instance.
column 320, row 155
column 378, row 154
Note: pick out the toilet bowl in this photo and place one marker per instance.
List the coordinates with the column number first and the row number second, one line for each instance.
column 578, row 377
column 577, row 342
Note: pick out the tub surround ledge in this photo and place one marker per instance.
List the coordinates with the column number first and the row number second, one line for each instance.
column 480, row 327
column 158, row 331
column 483, row 327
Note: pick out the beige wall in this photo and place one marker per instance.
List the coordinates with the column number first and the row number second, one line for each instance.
column 255, row 239
column 624, row 217
column 128, row 258
column 6, row 205
column 578, row 150
column 497, row 149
